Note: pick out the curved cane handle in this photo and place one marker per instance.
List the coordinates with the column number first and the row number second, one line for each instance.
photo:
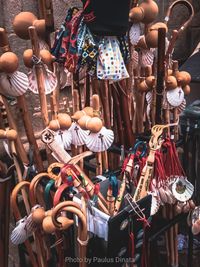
column 14, row 194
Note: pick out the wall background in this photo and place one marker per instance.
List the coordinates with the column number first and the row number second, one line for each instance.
column 10, row 8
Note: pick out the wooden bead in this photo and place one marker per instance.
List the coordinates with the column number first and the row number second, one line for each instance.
column 46, row 57
column 54, row 125
column 187, row 89
column 64, row 120
column 94, row 125
column 150, row 80
column 142, row 87
column 27, row 58
column 40, row 26
column 150, row 11
column 48, row 225
column 9, row 62
column 21, row 24
column 152, row 35
column 83, row 121
column 11, row 135
column 38, row 215
column 183, row 78
column 136, row 14
column 171, row 83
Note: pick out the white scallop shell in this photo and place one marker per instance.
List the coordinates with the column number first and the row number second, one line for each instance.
column 135, row 59
column 79, row 136
column 134, row 33
column 50, row 81
column 182, row 106
column 182, row 189
column 64, row 138
column 155, row 203
column 23, row 230
column 147, row 57
column 148, row 109
column 65, row 78
column 175, row 97
column 195, row 214
column 149, row 97
column 101, row 141
column 14, row 84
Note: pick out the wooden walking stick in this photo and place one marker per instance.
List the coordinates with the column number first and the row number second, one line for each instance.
column 160, row 74
column 17, row 216
column 8, row 121
column 39, row 75
column 129, row 136
column 13, row 138
column 22, row 105
column 82, row 226
column 5, row 190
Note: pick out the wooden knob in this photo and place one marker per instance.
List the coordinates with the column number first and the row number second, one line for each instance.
column 83, row 121
column 136, row 14
column 152, row 35
column 38, row 215
column 150, row 11
column 54, row 125
column 11, row 135
column 143, row 87
column 171, row 83
column 48, row 225
column 27, row 58
column 183, row 78
column 46, row 57
column 64, row 121
column 94, row 125
column 40, row 26
column 21, row 24
column 9, row 62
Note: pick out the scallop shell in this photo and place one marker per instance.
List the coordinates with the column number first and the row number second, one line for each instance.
column 195, row 214
column 65, row 78
column 135, row 59
column 134, row 33
column 14, row 84
column 101, row 141
column 64, row 138
column 182, row 189
column 148, row 109
column 149, row 97
column 50, row 81
column 79, row 136
column 147, row 57
column 175, row 97
column 155, row 203
column 23, row 230
column 182, row 106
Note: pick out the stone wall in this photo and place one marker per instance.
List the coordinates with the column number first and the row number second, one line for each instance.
column 10, row 8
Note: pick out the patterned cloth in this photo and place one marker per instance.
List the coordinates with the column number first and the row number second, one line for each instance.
column 110, row 63
column 87, row 49
column 65, row 45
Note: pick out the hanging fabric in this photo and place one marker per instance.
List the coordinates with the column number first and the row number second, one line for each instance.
column 110, row 64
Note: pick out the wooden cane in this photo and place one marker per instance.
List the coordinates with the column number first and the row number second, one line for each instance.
column 8, row 121
column 82, row 226
column 39, row 75
column 5, row 191
column 12, row 143
column 17, row 216
column 105, row 103
column 160, row 74
column 129, row 136
column 96, row 108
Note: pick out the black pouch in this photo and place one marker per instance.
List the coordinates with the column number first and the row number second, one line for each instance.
column 107, row 17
